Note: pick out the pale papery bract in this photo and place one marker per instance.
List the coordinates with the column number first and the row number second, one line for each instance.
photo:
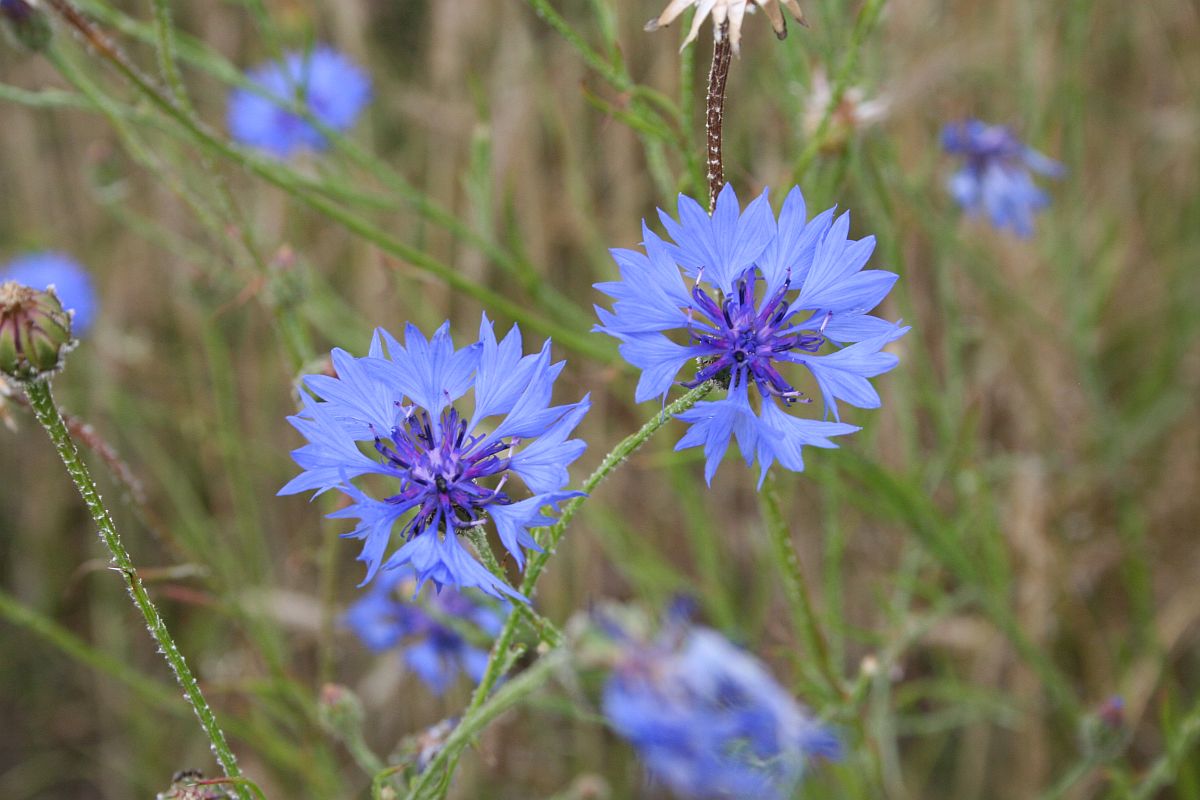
column 727, row 11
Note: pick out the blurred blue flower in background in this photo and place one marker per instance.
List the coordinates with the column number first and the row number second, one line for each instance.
column 435, row 651
column 995, row 178
column 71, row 283
column 708, row 719
column 453, row 469
column 764, row 297
column 324, row 82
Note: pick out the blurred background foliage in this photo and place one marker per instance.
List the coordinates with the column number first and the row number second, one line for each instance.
column 1009, row 543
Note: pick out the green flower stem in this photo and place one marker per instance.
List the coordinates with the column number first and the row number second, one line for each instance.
column 437, row 774
column 498, row 659
column 795, row 584
column 544, row 628
column 42, row 403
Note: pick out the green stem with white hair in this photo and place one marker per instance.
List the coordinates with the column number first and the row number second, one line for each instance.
column 42, row 403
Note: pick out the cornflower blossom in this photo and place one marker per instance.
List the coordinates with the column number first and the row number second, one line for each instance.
column 764, row 299
column 396, row 413
column 71, row 283
column 996, row 177
column 727, row 11
column 325, row 83
column 435, row 651
column 707, row 718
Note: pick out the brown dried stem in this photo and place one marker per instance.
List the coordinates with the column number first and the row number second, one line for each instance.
column 718, row 73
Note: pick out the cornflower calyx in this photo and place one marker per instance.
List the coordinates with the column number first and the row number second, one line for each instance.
column 35, row 332
column 743, row 342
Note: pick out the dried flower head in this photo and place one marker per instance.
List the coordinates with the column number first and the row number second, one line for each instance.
column 729, row 12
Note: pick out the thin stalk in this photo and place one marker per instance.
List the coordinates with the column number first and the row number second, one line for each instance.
column 42, row 403
column 796, row 585
column 714, row 117
column 511, row 694
column 498, row 660
column 107, row 49
column 544, row 628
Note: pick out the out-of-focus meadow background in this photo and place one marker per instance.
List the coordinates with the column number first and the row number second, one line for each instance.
column 1010, row 543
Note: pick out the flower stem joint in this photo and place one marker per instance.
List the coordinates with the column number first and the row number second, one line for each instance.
column 35, row 332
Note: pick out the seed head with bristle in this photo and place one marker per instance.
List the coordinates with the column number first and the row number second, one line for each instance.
column 727, row 11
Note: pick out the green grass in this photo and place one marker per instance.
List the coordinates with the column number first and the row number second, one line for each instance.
column 1011, row 540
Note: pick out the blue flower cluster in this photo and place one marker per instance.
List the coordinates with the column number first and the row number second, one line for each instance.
column 394, row 414
column 435, row 651
column 325, row 83
column 71, row 283
column 708, row 720
column 996, row 178
column 766, row 297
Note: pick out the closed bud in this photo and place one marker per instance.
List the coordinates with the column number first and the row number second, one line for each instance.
column 341, row 711
column 28, row 23
column 35, row 332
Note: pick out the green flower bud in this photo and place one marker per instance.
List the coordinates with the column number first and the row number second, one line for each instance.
column 35, row 332
column 27, row 22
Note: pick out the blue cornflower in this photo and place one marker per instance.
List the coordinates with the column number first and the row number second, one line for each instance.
column 764, row 297
column 393, row 414
column 325, row 83
column 435, row 651
column 708, row 719
column 996, row 177
column 71, row 283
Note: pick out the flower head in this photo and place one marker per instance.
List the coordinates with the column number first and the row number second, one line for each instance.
column 996, row 176
column 396, row 414
column 762, row 299
column 35, row 332
column 71, row 283
column 435, row 651
column 325, row 83
column 727, row 11
column 708, row 719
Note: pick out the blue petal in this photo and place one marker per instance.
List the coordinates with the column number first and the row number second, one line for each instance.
column 724, row 245
column 430, row 665
column 543, row 464
column 514, row 521
column 843, row 375
column 784, row 436
column 441, row 558
column 790, row 254
column 712, row 423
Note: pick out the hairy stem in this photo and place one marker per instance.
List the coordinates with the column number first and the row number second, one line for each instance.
column 42, row 403
column 718, row 73
column 796, row 585
column 498, row 659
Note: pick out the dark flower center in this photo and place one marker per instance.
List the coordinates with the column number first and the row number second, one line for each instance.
column 742, row 342
column 440, row 467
